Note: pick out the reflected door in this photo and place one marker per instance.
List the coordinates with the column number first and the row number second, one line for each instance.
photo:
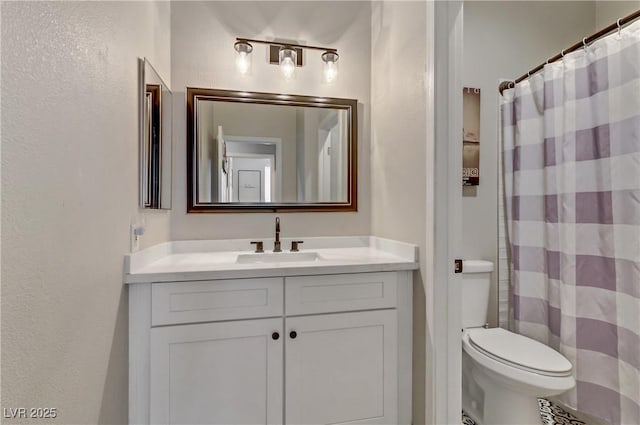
column 252, row 179
column 324, row 167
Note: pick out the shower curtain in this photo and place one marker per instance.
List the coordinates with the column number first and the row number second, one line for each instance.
column 571, row 175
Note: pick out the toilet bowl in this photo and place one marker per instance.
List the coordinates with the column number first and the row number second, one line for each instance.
column 513, row 371
column 504, row 373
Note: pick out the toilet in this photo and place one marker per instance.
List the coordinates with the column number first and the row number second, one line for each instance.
column 503, row 373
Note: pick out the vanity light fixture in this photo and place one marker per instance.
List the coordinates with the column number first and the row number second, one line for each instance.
column 287, row 55
column 243, row 58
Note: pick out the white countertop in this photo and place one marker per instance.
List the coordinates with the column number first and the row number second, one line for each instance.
column 203, row 260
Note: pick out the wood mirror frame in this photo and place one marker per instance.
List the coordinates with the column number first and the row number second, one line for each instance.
column 349, row 105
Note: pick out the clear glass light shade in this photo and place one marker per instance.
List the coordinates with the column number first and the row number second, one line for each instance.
column 288, row 58
column 243, row 57
column 330, row 70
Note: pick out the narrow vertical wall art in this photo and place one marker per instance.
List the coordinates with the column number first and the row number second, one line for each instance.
column 471, row 136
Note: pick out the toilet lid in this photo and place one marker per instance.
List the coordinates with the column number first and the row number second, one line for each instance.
column 520, row 351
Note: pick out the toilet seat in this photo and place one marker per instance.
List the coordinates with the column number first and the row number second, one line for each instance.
column 519, row 352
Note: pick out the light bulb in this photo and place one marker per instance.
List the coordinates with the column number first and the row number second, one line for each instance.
column 330, row 59
column 243, row 63
column 330, row 72
column 287, row 67
column 288, row 57
column 243, row 58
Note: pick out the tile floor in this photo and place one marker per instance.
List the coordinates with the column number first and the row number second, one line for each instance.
column 550, row 414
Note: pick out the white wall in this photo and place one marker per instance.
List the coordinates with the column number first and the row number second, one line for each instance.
column 608, row 12
column 69, row 192
column 202, row 40
column 398, row 152
column 505, row 39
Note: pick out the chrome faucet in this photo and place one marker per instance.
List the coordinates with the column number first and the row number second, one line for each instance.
column 276, row 244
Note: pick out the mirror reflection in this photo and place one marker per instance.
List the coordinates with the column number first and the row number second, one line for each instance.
column 155, row 139
column 267, row 153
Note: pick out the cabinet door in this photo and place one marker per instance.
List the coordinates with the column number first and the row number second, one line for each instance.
column 217, row 373
column 341, row 368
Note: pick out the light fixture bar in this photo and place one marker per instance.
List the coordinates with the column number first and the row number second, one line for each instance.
column 282, row 44
column 288, row 56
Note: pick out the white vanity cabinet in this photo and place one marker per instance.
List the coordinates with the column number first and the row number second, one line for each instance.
column 342, row 368
column 217, row 373
column 307, row 346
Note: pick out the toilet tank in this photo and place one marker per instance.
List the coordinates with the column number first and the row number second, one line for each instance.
column 476, row 285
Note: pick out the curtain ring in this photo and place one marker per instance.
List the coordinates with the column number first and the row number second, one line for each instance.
column 562, row 53
column 584, row 42
column 511, row 84
column 619, row 26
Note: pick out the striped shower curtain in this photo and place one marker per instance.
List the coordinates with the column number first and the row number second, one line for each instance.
column 571, row 161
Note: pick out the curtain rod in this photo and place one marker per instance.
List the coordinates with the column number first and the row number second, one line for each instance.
column 585, row 41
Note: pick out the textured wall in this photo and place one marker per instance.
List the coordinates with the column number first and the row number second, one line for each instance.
column 607, row 12
column 202, row 37
column 69, row 193
column 399, row 150
column 504, row 39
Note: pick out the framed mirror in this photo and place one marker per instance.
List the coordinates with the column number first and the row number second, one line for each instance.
column 264, row 152
column 155, row 138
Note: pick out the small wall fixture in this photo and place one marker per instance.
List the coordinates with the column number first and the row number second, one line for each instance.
column 330, row 59
column 287, row 55
column 243, row 59
column 287, row 59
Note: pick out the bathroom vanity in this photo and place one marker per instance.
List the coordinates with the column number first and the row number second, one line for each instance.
column 219, row 334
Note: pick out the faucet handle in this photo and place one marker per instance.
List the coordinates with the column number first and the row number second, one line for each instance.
column 294, row 245
column 259, row 246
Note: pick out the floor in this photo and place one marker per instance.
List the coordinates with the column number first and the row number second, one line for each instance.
column 550, row 414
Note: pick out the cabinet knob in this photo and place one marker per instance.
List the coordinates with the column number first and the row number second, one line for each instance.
column 293, row 334
column 275, row 336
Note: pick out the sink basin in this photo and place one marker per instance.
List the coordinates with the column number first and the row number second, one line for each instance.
column 277, row 257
